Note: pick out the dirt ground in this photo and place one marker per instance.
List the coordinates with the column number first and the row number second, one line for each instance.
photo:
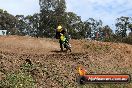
column 55, row 69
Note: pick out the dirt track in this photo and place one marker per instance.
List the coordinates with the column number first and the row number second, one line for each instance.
column 59, row 69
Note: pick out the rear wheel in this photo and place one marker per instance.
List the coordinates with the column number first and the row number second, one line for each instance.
column 68, row 47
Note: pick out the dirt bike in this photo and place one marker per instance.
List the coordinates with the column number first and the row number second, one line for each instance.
column 66, row 45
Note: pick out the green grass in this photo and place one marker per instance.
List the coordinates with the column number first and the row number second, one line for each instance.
column 18, row 80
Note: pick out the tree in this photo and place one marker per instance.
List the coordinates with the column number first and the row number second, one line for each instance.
column 130, row 27
column 87, row 29
column 92, row 28
column 33, row 24
column 1, row 10
column 8, row 22
column 73, row 24
column 130, row 24
column 122, row 26
column 52, row 13
column 22, row 26
column 106, row 31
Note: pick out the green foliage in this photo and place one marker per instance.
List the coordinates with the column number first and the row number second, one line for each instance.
column 8, row 22
column 127, row 40
column 32, row 24
column 18, row 80
column 130, row 27
column 105, row 33
column 92, row 28
column 52, row 13
column 115, row 38
column 74, row 25
column 1, row 10
column 26, row 67
column 122, row 26
column 111, row 38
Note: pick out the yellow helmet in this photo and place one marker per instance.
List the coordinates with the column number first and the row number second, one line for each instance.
column 59, row 28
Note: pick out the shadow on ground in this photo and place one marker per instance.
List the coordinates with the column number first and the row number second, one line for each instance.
column 58, row 51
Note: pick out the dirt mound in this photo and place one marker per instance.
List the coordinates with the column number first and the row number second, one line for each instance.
column 51, row 68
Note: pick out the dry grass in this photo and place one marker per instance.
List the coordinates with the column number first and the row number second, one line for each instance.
column 52, row 68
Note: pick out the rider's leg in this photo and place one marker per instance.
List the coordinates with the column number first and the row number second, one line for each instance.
column 61, row 46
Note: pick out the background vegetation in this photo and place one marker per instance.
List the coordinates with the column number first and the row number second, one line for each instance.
column 53, row 12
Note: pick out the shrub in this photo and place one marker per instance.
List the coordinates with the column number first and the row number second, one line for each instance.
column 127, row 40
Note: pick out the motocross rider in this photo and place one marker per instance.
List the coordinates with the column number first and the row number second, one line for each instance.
column 61, row 35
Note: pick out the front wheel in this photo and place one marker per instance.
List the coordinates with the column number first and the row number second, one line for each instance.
column 68, row 47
